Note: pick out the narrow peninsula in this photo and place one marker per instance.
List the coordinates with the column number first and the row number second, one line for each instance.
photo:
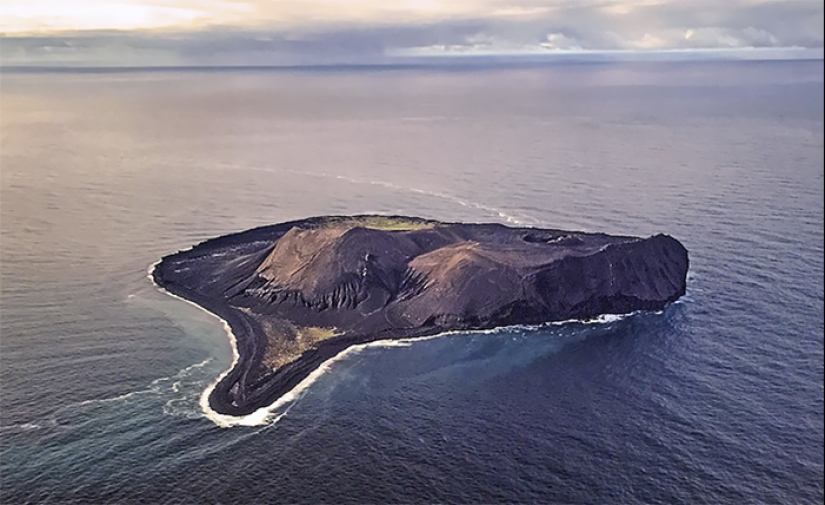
column 296, row 294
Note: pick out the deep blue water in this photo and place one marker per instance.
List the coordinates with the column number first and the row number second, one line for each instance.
column 718, row 399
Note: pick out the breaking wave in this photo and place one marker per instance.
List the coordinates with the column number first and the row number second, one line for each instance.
column 272, row 413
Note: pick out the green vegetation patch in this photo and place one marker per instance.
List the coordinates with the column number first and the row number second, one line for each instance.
column 386, row 223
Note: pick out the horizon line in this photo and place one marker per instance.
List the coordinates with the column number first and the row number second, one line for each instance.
column 447, row 61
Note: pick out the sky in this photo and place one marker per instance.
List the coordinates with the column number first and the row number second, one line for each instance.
column 309, row 32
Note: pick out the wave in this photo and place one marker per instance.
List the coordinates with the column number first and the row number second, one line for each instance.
column 520, row 221
column 524, row 220
column 158, row 386
column 82, row 413
column 266, row 415
column 215, row 417
column 24, row 427
column 269, row 415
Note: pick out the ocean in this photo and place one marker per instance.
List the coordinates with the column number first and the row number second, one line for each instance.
column 718, row 399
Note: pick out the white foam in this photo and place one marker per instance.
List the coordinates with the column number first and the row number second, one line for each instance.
column 262, row 416
column 524, row 220
column 21, row 427
column 219, row 419
column 605, row 319
column 118, row 398
column 267, row 415
column 154, row 388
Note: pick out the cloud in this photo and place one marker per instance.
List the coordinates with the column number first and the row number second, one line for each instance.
column 560, row 42
column 292, row 32
column 33, row 16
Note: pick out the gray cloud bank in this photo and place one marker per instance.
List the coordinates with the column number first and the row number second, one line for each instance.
column 784, row 28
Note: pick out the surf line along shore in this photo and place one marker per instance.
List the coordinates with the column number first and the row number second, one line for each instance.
column 296, row 294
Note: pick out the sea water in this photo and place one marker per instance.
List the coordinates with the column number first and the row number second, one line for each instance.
column 717, row 399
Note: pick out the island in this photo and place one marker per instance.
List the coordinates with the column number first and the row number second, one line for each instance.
column 296, row 294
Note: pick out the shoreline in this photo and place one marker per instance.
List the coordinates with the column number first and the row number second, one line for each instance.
column 264, row 414
column 374, row 300
column 212, row 415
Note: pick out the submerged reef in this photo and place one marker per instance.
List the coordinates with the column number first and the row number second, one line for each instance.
column 296, row 294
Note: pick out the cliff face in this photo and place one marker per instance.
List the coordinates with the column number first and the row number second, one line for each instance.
column 368, row 277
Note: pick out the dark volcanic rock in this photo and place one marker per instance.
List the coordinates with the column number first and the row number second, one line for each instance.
column 298, row 293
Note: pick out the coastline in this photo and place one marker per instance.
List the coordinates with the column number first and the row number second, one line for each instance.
column 219, row 419
column 223, row 276
column 266, row 415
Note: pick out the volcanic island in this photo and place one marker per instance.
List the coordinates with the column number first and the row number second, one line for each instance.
column 296, row 294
